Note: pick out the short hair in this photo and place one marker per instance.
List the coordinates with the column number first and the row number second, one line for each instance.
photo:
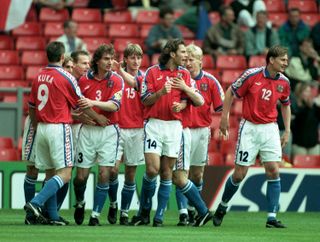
column 276, row 51
column 75, row 55
column 223, row 9
column 263, row 12
column 171, row 46
column 67, row 23
column 164, row 11
column 195, row 51
column 67, row 58
column 97, row 55
column 55, row 50
column 132, row 49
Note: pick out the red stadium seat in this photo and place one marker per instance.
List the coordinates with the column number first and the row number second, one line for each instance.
column 53, row 29
column 147, row 17
column 123, row 31
column 236, row 109
column 303, row 6
column 51, row 15
column 11, row 72
column 275, row 6
column 213, row 145
column 145, row 29
column 86, row 15
column 34, row 58
column 8, row 155
column 119, row 4
column 94, row 43
column 154, row 59
column 278, row 19
column 121, row 44
column 29, row 28
column 13, row 83
column 215, row 159
column 215, row 123
column 32, row 72
column 229, row 76
column 30, row 43
column 196, row 42
column 257, row 60
column 214, row 17
column 215, row 73
column 307, row 161
column 229, row 160
column 207, row 62
column 9, row 57
column 92, row 30
column 6, row 142
column 32, row 15
column 145, row 61
column 227, row 147
column 310, row 18
column 186, row 33
column 6, row 42
column 80, row 3
column 231, row 62
column 117, row 17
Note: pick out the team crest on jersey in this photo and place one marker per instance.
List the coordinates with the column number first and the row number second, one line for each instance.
column 110, row 83
column 280, row 88
column 204, row 87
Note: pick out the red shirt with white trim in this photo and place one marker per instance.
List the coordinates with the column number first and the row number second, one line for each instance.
column 212, row 93
column 108, row 89
column 155, row 78
column 260, row 94
column 54, row 92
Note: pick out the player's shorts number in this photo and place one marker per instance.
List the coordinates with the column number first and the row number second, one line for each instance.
column 80, row 157
column 43, row 94
column 244, row 156
column 152, row 144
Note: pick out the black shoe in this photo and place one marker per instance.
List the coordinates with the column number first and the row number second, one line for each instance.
column 143, row 219
column 275, row 224
column 30, row 220
column 183, row 220
column 94, row 222
column 157, row 223
column 202, row 220
column 218, row 216
column 36, row 211
column 191, row 215
column 79, row 213
column 124, row 220
column 112, row 215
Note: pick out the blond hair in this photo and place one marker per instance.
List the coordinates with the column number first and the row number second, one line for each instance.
column 195, row 51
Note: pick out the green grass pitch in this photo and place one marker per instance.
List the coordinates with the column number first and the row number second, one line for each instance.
column 237, row 226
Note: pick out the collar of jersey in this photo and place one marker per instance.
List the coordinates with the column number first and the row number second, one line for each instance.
column 51, row 65
column 199, row 76
column 163, row 67
column 267, row 74
column 91, row 76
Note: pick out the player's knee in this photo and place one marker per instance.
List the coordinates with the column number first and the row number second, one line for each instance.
column 32, row 171
column 114, row 171
column 179, row 179
column 237, row 177
column 152, row 171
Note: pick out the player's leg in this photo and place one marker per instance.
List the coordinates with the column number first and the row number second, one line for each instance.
column 113, row 191
column 29, row 187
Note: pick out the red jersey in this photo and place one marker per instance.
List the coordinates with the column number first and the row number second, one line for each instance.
column 212, row 93
column 54, row 92
column 131, row 111
column 260, row 94
column 108, row 89
column 155, row 78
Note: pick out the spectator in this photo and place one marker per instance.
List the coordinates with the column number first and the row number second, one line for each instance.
column 225, row 37
column 316, row 37
column 305, row 122
column 54, row 4
column 162, row 32
column 260, row 37
column 306, row 66
column 246, row 11
column 292, row 32
column 70, row 39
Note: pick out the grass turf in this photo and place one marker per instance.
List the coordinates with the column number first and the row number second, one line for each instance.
column 237, row 226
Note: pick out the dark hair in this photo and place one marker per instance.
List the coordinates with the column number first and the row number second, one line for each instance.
column 294, row 10
column 97, row 55
column 223, row 9
column 164, row 11
column 67, row 23
column 54, row 51
column 171, row 46
column 75, row 55
column 276, row 51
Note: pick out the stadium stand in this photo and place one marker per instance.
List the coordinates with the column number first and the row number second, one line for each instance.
column 6, row 142
column 215, row 159
column 51, row 15
column 306, row 161
column 9, row 57
column 117, row 17
column 86, row 15
column 9, row 155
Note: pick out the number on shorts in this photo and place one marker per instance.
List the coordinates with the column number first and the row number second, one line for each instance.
column 80, row 157
column 244, row 156
column 151, row 144
column 43, row 95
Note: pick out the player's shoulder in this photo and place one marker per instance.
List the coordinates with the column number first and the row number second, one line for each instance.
column 116, row 76
column 252, row 71
column 66, row 75
column 209, row 76
column 284, row 78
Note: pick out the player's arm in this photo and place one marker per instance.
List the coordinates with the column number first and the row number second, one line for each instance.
column 82, row 117
column 32, row 115
column 108, row 106
column 152, row 98
column 192, row 93
column 286, row 116
column 179, row 106
column 128, row 78
column 224, row 122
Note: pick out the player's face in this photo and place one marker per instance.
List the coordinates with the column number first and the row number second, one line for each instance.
column 280, row 63
column 82, row 66
column 68, row 66
column 193, row 64
column 133, row 62
column 105, row 63
column 181, row 56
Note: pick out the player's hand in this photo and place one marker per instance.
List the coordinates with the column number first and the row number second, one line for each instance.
column 85, row 103
column 179, row 83
column 102, row 120
column 85, row 119
column 117, row 66
column 285, row 138
column 166, row 88
column 178, row 107
column 223, row 129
